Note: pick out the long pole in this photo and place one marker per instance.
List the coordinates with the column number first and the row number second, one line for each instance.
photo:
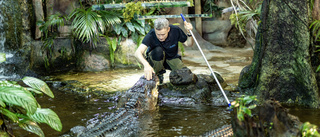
column 205, row 59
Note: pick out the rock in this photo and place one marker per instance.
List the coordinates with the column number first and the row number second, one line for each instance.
column 125, row 52
column 94, row 62
column 186, row 88
column 216, row 31
column 182, row 76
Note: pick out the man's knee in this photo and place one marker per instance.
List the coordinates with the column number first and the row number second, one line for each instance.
column 157, row 54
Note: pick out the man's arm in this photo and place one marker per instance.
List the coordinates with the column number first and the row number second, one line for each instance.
column 148, row 70
column 189, row 41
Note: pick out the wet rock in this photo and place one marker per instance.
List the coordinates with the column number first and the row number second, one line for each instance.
column 186, row 88
column 182, row 76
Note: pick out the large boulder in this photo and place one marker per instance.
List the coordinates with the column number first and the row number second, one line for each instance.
column 187, row 88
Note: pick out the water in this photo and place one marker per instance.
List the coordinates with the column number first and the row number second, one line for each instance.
column 75, row 110
column 9, row 68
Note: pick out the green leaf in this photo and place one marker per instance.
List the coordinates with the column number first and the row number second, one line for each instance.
column 246, row 111
column 9, row 84
column 35, row 91
column 47, row 116
column 2, row 104
column 31, row 127
column 252, row 106
column 139, row 28
column 130, row 26
column 117, row 28
column 135, row 36
column 318, row 69
column 19, row 97
column 240, row 116
column 9, row 114
column 114, row 44
column 2, row 57
column 38, row 85
column 124, row 32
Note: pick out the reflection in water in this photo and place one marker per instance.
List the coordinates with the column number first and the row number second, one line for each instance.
column 72, row 110
column 177, row 121
column 307, row 115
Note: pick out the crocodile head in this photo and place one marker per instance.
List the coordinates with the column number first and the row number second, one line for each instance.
column 150, row 90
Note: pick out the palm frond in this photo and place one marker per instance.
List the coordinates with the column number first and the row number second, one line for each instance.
column 56, row 19
column 110, row 18
column 19, row 97
column 87, row 24
column 47, row 116
column 38, row 85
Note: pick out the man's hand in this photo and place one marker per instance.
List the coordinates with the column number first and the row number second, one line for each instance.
column 188, row 26
column 148, row 71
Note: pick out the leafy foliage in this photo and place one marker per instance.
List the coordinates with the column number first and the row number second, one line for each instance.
column 131, row 9
column 244, row 106
column 309, row 130
column 49, row 30
column 315, row 26
column 88, row 24
column 18, row 104
column 112, row 47
column 210, row 7
column 245, row 16
column 2, row 57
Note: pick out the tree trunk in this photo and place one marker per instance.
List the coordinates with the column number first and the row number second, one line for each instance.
column 316, row 10
column 281, row 67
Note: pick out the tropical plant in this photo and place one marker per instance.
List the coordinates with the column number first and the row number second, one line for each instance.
column 88, row 25
column 211, row 7
column 49, row 30
column 247, row 14
column 2, row 57
column 315, row 29
column 244, row 105
column 309, row 130
column 131, row 9
column 315, row 26
column 18, row 104
column 113, row 43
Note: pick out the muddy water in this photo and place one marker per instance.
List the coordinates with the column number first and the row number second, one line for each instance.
column 74, row 110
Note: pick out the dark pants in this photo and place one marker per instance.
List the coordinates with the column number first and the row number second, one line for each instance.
column 159, row 63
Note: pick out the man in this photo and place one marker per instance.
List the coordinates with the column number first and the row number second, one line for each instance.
column 161, row 44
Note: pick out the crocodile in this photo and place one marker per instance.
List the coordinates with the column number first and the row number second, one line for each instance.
column 143, row 96
column 224, row 131
column 123, row 122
